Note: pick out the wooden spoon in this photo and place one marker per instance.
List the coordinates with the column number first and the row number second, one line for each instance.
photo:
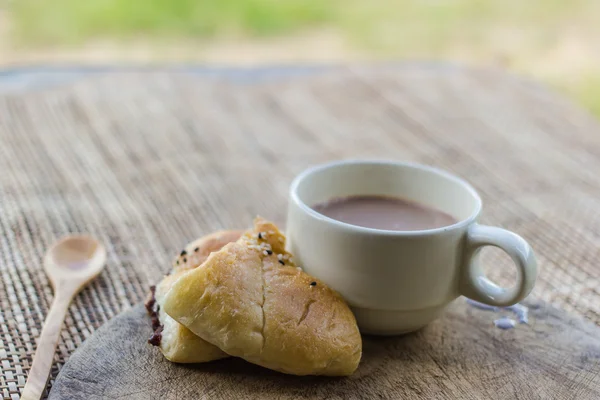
column 70, row 264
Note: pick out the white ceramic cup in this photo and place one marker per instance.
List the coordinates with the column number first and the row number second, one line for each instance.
column 399, row 281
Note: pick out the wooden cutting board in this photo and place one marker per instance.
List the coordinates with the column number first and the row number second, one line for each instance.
column 460, row 356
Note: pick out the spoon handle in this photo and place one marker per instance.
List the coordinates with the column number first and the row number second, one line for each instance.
column 44, row 354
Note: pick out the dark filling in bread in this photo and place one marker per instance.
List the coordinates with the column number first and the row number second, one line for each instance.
column 151, row 301
column 152, row 309
column 156, row 336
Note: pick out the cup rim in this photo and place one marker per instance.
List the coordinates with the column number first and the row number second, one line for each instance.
column 293, row 191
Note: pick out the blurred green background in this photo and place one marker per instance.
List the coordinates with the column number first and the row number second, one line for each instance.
column 555, row 41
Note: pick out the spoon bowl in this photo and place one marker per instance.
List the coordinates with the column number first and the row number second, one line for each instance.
column 74, row 259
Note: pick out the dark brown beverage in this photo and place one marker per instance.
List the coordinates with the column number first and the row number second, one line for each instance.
column 382, row 212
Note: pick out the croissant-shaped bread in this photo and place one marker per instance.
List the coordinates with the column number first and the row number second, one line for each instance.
column 250, row 300
column 175, row 341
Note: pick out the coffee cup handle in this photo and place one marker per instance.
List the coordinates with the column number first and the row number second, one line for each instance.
column 476, row 286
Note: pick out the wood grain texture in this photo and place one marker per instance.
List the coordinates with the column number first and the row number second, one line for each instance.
column 463, row 355
column 46, row 347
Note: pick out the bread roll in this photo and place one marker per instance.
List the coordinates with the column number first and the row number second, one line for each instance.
column 175, row 341
column 250, row 300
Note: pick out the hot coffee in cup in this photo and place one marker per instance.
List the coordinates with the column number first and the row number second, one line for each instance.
column 399, row 241
column 384, row 212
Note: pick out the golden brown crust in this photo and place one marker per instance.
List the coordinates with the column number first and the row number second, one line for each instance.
column 177, row 343
column 250, row 300
column 196, row 252
column 300, row 309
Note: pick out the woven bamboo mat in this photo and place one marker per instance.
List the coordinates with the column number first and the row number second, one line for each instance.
column 149, row 161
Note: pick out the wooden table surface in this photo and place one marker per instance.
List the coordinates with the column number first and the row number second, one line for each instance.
column 147, row 160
